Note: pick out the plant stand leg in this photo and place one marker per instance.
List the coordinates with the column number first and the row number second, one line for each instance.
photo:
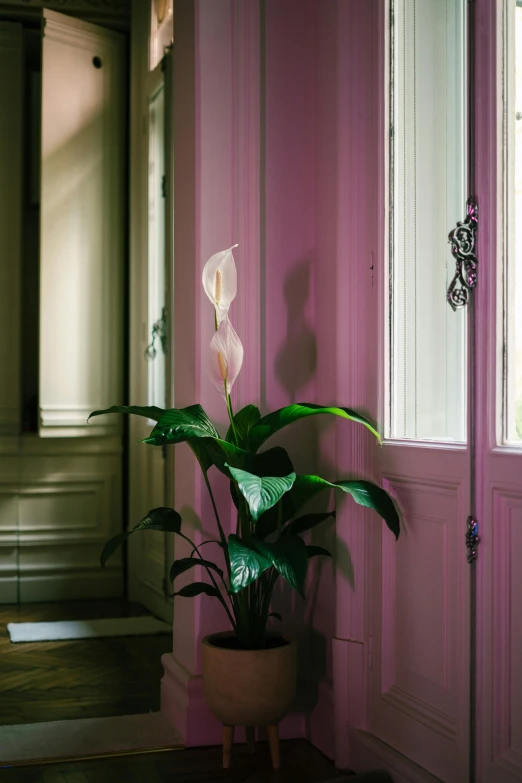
column 228, row 738
column 273, row 741
column 251, row 738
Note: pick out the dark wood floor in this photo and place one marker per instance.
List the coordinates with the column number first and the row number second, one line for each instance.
column 300, row 763
column 91, row 678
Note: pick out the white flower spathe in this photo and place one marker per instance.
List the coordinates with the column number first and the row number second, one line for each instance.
column 226, row 357
column 220, row 281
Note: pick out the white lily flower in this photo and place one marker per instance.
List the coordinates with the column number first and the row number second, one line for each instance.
column 220, row 281
column 226, row 357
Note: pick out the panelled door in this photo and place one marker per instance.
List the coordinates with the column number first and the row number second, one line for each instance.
column 445, row 679
column 499, row 405
column 419, row 680
column 152, row 209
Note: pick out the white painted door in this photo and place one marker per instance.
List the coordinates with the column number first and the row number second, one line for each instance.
column 151, row 554
column 420, row 616
column 81, row 227
column 61, row 230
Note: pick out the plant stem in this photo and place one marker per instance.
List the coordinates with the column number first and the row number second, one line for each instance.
column 211, row 576
column 220, row 527
column 231, row 414
column 222, row 536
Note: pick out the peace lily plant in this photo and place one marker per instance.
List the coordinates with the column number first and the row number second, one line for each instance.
column 267, row 492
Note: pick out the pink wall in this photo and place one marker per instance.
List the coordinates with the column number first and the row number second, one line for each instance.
column 295, row 184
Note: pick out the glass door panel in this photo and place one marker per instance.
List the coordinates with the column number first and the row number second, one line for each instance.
column 513, row 223
column 427, row 353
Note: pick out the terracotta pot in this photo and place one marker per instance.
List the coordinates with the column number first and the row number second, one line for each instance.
column 249, row 687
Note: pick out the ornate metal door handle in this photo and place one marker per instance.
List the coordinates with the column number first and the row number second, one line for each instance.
column 463, row 247
column 472, row 538
column 159, row 329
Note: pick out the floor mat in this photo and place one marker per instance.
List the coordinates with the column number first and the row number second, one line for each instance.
column 86, row 629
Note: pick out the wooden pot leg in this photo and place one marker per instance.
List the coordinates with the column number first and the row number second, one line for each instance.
column 228, row 739
column 273, row 741
column 251, row 738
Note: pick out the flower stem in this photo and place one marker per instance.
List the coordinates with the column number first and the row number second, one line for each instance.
column 231, row 413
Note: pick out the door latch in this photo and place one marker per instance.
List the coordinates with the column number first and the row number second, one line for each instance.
column 463, row 240
column 472, row 538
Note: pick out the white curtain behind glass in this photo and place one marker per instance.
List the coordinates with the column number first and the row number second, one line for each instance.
column 428, row 196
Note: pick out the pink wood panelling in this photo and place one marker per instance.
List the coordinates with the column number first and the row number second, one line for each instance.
column 218, row 193
column 295, row 348
column 290, row 243
column 498, row 485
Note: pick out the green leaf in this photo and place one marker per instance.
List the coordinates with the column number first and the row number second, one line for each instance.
column 275, row 421
column 165, row 519
column 246, row 563
column 244, row 420
column 199, row 447
column 261, row 493
column 289, row 557
column 276, row 615
column 180, row 424
column 313, row 551
column 185, row 563
column 149, row 411
column 307, row 522
column 274, row 462
column 366, row 493
column 197, row 588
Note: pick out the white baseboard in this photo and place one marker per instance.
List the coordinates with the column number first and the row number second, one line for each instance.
column 64, row 587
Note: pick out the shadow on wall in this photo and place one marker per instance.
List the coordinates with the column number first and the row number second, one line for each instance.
column 296, row 360
column 313, row 619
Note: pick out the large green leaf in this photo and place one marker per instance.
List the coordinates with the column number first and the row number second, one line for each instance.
column 180, row 424
column 366, row 493
column 165, row 519
column 149, row 411
column 196, row 588
column 246, row 563
column 185, row 563
column 307, row 522
column 289, row 557
column 261, row 493
column 275, row 421
column 244, row 420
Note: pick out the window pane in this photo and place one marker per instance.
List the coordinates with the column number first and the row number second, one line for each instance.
column 428, row 197
column 513, row 178
column 156, row 265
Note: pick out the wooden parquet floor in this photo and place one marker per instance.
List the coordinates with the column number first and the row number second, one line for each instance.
column 91, row 678
column 300, row 763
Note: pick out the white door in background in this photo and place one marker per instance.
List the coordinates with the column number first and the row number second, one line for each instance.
column 150, row 554
column 62, row 225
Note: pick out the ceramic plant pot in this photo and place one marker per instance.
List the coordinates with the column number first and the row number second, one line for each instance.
column 248, row 687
